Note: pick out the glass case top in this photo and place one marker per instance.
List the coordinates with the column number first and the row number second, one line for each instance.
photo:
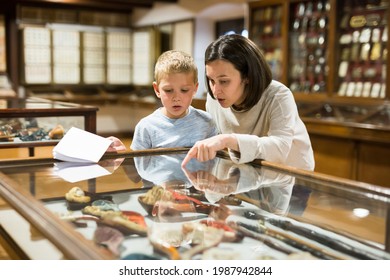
column 149, row 207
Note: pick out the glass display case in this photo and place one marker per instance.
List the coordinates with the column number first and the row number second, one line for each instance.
column 144, row 205
column 350, row 140
column 346, row 114
column 36, row 122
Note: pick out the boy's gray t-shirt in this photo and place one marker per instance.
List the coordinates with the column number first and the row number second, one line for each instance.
column 159, row 131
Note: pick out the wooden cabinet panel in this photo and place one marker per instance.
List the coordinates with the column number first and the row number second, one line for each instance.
column 374, row 163
column 334, row 156
column 361, row 160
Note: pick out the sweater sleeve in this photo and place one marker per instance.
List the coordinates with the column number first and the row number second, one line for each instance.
column 277, row 144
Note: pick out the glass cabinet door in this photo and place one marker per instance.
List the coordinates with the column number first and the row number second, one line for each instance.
column 308, row 46
column 266, row 32
column 362, row 48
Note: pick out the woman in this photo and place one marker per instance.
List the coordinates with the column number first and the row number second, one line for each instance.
column 257, row 116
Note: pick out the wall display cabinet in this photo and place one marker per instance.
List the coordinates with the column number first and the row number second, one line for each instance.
column 95, row 64
column 266, row 30
column 113, row 62
column 308, row 46
column 87, row 65
column 37, row 55
column 183, row 36
column 362, row 43
column 177, row 35
column 118, row 58
column 6, row 91
column 331, row 47
column 93, row 57
column 68, row 55
column 3, row 64
column 81, row 56
column 144, row 56
column 334, row 59
column 145, row 206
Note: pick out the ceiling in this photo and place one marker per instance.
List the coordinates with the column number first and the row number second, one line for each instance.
column 123, row 5
column 137, row 3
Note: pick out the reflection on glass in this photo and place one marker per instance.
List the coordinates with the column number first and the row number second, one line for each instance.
column 77, row 171
column 165, row 170
column 270, row 189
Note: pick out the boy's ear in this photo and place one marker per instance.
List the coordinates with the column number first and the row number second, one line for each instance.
column 156, row 91
column 196, row 89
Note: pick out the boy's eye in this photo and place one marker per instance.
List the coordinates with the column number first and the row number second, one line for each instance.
column 184, row 90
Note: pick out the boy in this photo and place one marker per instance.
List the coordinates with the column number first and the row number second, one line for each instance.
column 177, row 123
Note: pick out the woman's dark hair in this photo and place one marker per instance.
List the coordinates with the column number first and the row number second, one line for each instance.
column 247, row 58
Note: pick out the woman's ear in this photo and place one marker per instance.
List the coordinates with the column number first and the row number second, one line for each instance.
column 156, row 90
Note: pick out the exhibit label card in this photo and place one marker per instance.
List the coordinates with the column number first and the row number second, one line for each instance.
column 81, row 146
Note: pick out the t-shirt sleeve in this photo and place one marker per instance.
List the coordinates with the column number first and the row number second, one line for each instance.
column 141, row 139
column 213, row 128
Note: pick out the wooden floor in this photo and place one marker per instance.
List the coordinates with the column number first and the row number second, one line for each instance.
column 40, row 152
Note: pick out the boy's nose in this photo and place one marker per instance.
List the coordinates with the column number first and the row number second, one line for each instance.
column 175, row 97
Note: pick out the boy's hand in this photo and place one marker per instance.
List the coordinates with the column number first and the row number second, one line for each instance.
column 116, row 145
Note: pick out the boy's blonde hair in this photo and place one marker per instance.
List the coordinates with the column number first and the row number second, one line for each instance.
column 171, row 62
